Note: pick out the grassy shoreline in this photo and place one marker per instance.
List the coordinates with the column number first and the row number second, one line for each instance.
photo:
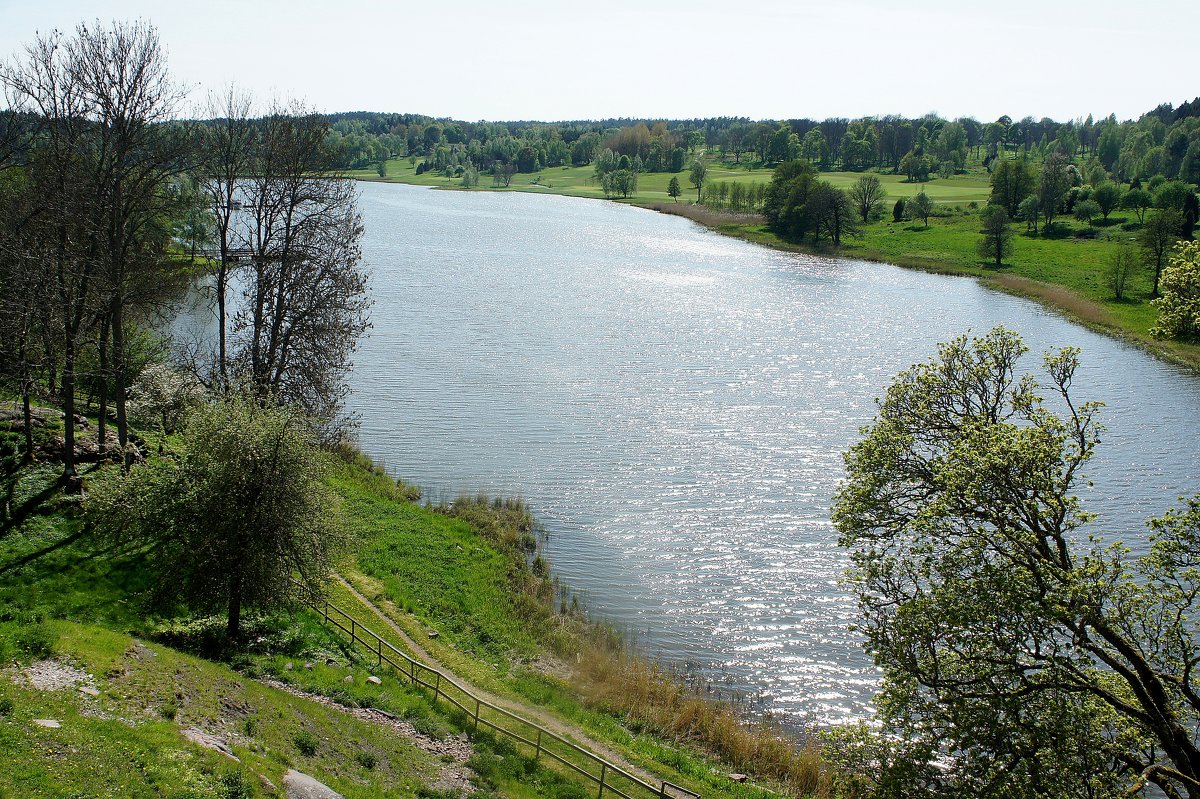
column 1064, row 274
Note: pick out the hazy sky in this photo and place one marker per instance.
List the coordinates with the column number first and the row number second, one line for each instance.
column 537, row 59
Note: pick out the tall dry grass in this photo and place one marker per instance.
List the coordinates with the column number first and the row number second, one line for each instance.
column 653, row 698
column 1081, row 308
column 710, row 217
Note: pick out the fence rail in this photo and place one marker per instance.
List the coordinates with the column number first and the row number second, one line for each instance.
column 611, row 777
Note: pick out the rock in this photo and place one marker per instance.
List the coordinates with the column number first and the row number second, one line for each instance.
column 201, row 738
column 738, row 777
column 348, row 678
column 266, row 783
column 374, row 680
column 51, row 723
column 433, row 633
column 288, row 666
column 89, row 690
column 308, row 664
column 301, row 786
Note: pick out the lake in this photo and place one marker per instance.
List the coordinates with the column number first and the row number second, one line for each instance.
column 674, row 404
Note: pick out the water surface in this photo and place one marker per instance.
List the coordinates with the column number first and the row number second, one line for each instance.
column 674, row 405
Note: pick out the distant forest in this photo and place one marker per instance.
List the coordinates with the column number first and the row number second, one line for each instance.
column 1164, row 141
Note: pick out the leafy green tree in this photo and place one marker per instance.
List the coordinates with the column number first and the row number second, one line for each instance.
column 898, row 210
column 831, row 213
column 1087, row 211
column 1030, row 212
column 1019, row 660
column 919, row 206
column 997, row 237
column 696, row 176
column 1179, row 305
column 1107, row 196
column 1139, row 201
column 527, row 160
column 1054, row 184
column 1012, row 181
column 673, row 190
column 813, row 147
column 784, row 205
column 229, row 522
column 868, row 195
column 915, row 166
column 1156, row 238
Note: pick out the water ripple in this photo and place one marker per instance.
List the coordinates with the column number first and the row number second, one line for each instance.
column 674, row 404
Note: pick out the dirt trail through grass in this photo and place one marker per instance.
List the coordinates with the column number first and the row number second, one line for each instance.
column 531, row 713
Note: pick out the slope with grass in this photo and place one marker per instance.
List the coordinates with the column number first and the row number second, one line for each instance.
column 469, row 571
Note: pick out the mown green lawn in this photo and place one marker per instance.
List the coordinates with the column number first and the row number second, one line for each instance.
column 652, row 186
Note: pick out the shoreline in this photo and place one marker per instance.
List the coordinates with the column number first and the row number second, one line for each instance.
column 1055, row 297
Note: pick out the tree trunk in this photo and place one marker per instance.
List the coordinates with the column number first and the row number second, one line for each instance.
column 233, row 630
column 222, row 280
column 102, row 417
column 27, row 414
column 120, row 373
column 70, row 476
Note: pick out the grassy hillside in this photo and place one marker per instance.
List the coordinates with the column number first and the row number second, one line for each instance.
column 74, row 608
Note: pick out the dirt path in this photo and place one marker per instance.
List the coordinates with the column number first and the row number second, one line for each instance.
column 531, row 713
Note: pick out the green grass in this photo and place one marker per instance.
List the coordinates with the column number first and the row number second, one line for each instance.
column 652, row 186
column 127, row 742
column 470, row 581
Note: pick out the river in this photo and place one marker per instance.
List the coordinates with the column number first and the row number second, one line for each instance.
column 674, row 405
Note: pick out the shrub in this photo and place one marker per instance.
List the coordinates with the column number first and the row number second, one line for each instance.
column 306, row 743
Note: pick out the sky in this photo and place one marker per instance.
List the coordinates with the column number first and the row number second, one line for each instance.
column 667, row 59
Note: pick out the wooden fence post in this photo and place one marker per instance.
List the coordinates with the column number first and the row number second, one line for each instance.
column 476, row 714
column 538, row 753
column 603, row 772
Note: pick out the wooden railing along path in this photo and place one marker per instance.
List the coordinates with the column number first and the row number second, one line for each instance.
column 609, row 776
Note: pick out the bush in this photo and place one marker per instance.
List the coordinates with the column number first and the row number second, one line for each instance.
column 366, row 759
column 234, row 785
column 306, row 743
column 35, row 641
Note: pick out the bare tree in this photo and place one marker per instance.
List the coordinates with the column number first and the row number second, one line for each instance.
column 39, row 86
column 226, row 162
column 128, row 97
column 305, row 300
column 867, row 194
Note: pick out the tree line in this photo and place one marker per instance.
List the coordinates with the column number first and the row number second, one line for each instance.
column 1162, row 141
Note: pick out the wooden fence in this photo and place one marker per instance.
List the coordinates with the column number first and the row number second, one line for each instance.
column 608, row 776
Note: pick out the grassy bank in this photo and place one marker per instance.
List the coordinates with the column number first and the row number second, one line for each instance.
column 1065, row 270
column 469, row 571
